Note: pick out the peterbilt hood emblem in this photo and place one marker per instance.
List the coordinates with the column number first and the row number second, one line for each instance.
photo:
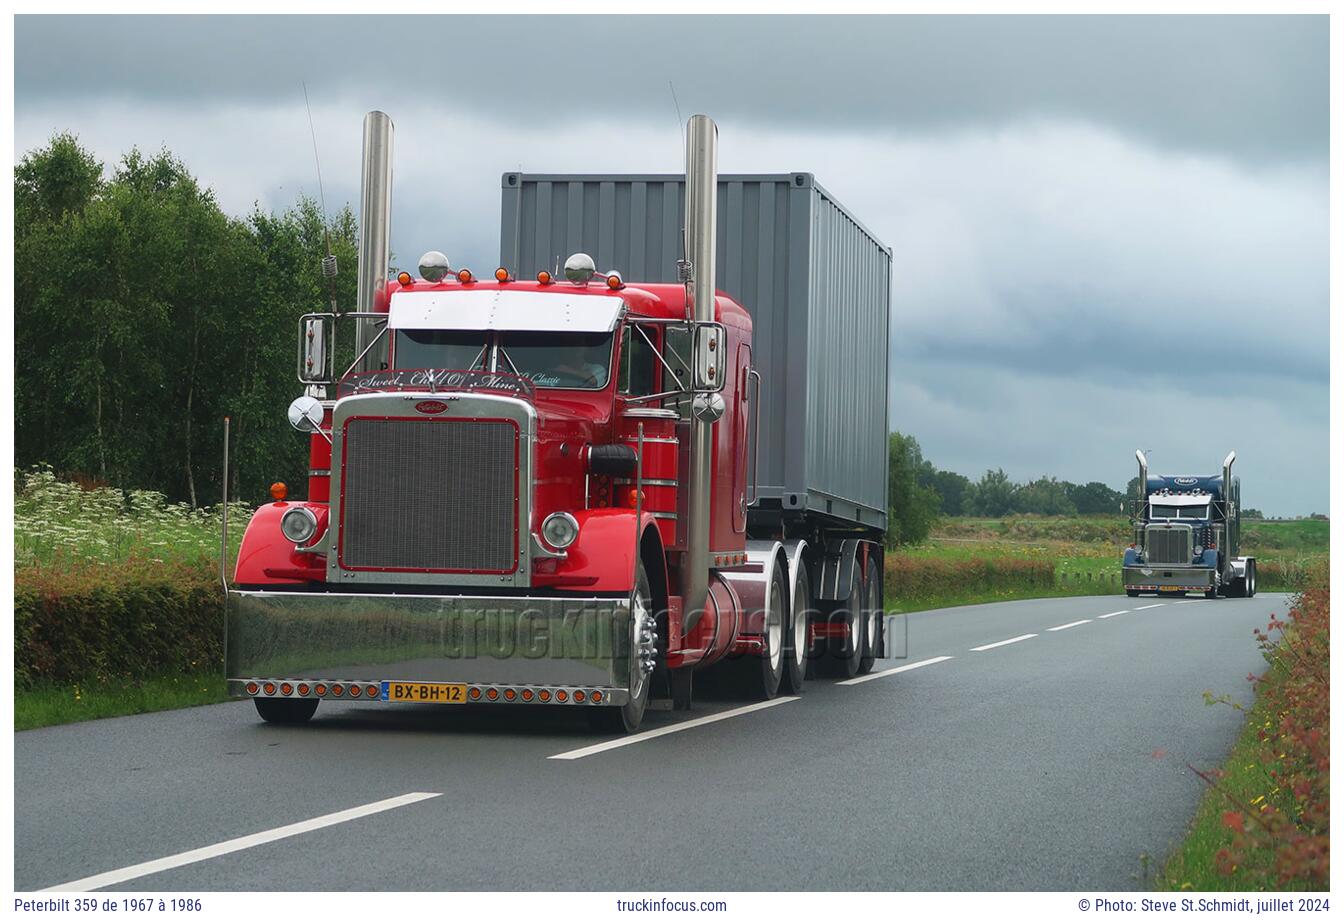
column 431, row 407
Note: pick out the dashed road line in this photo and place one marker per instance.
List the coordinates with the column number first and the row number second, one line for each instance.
column 890, row 671
column 116, row 876
column 1149, row 607
column 592, row 749
column 1068, row 625
column 1106, row 616
column 985, row 648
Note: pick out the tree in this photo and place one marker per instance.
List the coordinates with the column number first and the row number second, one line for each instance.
column 1046, row 496
column 1094, row 498
column 1253, row 514
column 952, row 489
column 992, row 496
column 912, row 508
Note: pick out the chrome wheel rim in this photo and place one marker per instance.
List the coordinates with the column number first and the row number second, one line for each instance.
column 872, row 614
column 643, row 645
column 774, row 631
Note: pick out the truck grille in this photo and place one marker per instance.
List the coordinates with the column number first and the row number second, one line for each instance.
column 1169, row 544
column 434, row 495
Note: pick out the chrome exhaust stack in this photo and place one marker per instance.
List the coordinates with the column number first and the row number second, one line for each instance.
column 1227, row 474
column 375, row 216
column 702, row 185
column 1143, row 474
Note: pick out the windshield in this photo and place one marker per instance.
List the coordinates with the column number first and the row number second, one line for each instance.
column 1182, row 512
column 561, row 360
column 573, row 360
column 457, row 351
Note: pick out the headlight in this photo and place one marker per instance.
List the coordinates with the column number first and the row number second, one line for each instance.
column 1199, row 550
column 298, row 524
column 560, row 529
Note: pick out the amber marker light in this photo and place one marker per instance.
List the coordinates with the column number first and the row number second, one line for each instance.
column 269, row 688
column 252, row 688
column 320, row 689
column 464, row 276
column 596, row 696
column 501, row 274
column 510, row 694
column 370, row 691
column 543, row 277
column 337, row 690
column 527, row 696
column 492, row 694
column 405, row 279
column 474, row 693
column 286, row 689
column 303, row 689
column 544, row 696
column 279, row 490
column 614, row 282
column 579, row 696
column 562, row 696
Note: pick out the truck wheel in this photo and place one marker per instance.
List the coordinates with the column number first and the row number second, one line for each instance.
column 285, row 712
column 1212, row 593
column 1250, row 578
column 872, row 617
column 1131, row 593
column 625, row 719
column 757, row 677
column 796, row 634
column 843, row 652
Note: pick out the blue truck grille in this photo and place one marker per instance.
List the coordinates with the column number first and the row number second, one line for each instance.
column 1169, row 544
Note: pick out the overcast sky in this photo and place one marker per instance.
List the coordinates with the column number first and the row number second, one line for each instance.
column 1109, row 232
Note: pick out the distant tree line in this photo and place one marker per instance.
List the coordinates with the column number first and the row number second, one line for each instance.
column 919, row 492
column 144, row 314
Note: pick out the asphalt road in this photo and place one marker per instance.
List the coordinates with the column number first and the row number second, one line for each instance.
column 1056, row 762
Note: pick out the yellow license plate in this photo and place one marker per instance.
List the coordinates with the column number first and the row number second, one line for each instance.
column 395, row 691
column 1175, row 589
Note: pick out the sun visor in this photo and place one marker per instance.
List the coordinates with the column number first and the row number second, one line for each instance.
column 504, row 311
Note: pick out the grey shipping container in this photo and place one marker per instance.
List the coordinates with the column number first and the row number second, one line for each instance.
column 816, row 282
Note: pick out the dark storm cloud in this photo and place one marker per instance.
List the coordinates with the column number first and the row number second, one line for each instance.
column 1247, row 86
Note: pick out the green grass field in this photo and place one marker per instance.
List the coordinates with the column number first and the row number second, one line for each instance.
column 41, row 706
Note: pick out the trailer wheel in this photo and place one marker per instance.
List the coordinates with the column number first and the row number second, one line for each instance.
column 796, row 645
column 872, row 617
column 757, row 677
column 625, row 719
column 285, row 712
column 1131, row 593
column 843, row 653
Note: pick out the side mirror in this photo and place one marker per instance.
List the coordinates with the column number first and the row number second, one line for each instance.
column 710, row 356
column 313, row 355
column 306, row 413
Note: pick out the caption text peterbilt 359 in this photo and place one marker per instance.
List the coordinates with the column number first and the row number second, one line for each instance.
column 555, row 487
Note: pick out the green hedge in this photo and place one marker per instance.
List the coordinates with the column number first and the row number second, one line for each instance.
column 917, row 578
column 74, row 626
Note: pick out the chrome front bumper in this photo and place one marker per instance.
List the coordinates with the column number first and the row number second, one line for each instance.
column 1172, row 578
column 483, row 642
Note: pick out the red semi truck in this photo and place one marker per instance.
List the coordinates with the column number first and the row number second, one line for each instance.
column 548, row 491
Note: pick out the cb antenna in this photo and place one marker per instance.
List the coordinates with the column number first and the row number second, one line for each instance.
column 329, row 261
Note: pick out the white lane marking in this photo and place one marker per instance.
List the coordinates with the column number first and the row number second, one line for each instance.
column 1149, row 607
column 887, row 673
column 1068, row 625
column 985, row 648
column 117, row 876
column 1106, row 616
column 668, row 729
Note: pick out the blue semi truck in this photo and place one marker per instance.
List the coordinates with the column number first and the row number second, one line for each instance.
column 1187, row 536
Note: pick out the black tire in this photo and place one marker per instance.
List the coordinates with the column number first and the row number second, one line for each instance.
column 843, row 653
column 873, row 616
column 796, row 633
column 1212, row 593
column 757, row 677
column 285, row 712
column 1250, row 578
column 625, row 720
column 1131, row 593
